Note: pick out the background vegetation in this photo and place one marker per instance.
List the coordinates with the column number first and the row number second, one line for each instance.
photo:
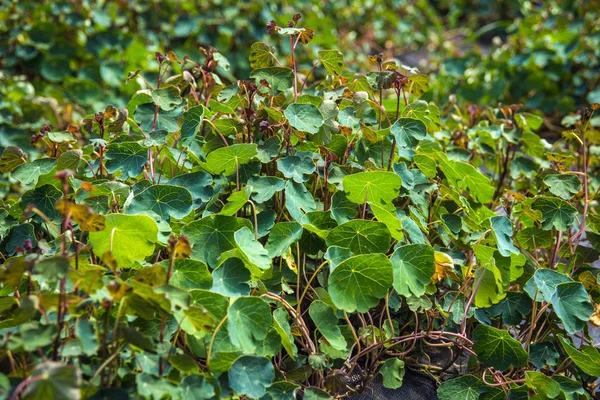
column 186, row 188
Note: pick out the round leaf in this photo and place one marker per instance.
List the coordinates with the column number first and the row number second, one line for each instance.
column 414, row 265
column 129, row 238
column 358, row 283
column 304, row 117
column 361, row 237
column 249, row 320
column 251, row 376
column 165, row 200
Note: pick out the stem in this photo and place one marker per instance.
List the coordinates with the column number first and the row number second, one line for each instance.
column 293, row 47
column 469, row 302
column 308, row 285
column 355, row 339
column 556, row 248
column 506, row 158
column 24, row 383
column 212, row 339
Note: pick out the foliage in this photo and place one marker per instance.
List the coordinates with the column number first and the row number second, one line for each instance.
column 286, row 233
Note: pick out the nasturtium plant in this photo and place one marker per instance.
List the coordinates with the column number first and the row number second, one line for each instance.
column 303, row 228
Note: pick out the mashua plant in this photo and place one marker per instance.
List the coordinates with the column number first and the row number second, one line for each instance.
column 279, row 235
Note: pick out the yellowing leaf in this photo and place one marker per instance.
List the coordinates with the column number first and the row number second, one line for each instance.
column 306, row 35
column 84, row 215
column 182, row 247
column 444, row 267
column 595, row 317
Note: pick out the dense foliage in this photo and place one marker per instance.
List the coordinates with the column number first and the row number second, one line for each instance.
column 285, row 233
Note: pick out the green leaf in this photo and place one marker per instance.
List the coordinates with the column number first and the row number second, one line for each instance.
column 198, row 183
column 304, row 117
column 128, row 158
column 379, row 188
column 249, row 320
column 563, row 185
column 17, row 236
column 545, row 282
column 196, row 387
column 12, row 157
column 316, row 394
column 282, row 326
column 392, row 371
column 165, row 200
column 216, row 304
column 192, row 121
column 502, row 228
column 298, row 200
column 43, row 198
column 572, row 305
column 51, row 268
column 264, row 187
column 534, row 238
column 30, row 172
column 528, row 121
column 333, row 61
column 426, row 165
column 190, row 274
column 153, row 387
column 262, row 55
column 69, row 160
column 282, row 236
column 419, row 84
column 53, row 380
column 236, row 201
column 167, row 97
column 381, row 79
column 130, row 238
column 231, row 278
column 184, row 363
column 156, row 138
column 588, row 358
column 464, row 176
column 278, row 78
column 318, row 222
column 466, row 387
column 251, row 376
column 491, row 288
column 543, row 385
column 569, row 387
column 408, row 132
column 497, row 348
column 297, row 168
column 55, row 69
column 513, row 308
column 253, row 254
column 86, row 334
column 224, row 160
column 387, row 214
column 212, row 236
column 358, row 283
column 326, row 322
column 342, row 209
column 414, row 265
column 556, row 213
column 361, row 237
column 283, row 390
column 544, row 354
column 165, row 119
